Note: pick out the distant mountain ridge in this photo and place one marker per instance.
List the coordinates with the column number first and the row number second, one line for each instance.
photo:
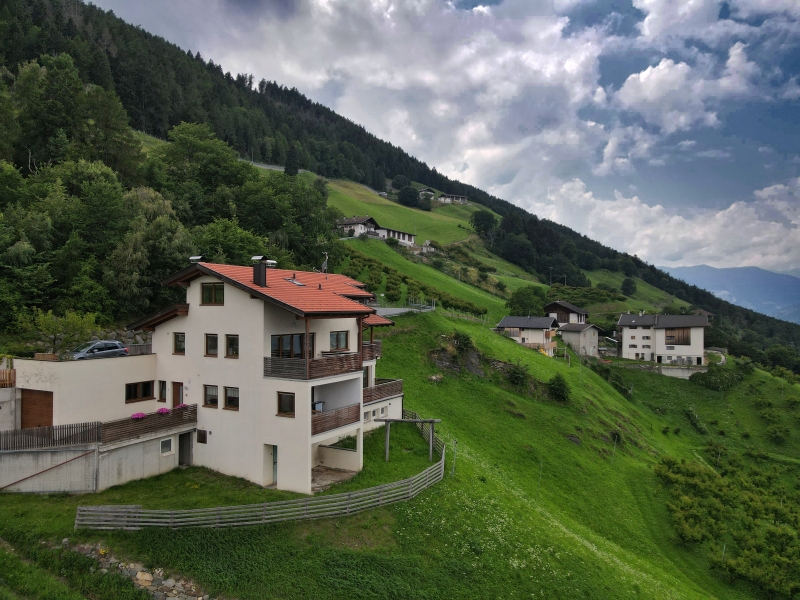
column 773, row 294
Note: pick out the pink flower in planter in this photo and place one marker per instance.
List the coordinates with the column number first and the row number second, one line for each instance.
column 182, row 405
column 163, row 411
column 138, row 416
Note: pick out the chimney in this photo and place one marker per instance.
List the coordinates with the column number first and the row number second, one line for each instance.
column 260, row 270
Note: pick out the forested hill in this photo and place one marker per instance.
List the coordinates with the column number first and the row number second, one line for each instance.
column 160, row 85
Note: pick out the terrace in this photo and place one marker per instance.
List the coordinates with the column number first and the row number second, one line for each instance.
column 383, row 389
column 328, row 365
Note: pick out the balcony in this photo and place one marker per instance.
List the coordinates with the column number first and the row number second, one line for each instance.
column 125, row 429
column 372, row 350
column 383, row 388
column 327, row 366
column 8, row 378
column 333, row 419
column 551, row 333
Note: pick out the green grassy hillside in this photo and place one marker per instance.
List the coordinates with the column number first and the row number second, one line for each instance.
column 647, row 297
column 544, row 503
column 354, row 199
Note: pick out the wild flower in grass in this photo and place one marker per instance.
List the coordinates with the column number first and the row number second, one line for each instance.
column 163, row 411
column 139, row 415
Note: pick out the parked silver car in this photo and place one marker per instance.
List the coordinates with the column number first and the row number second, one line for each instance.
column 99, row 349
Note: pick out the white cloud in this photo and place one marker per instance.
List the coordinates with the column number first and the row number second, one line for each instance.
column 767, row 228
column 674, row 17
column 677, row 96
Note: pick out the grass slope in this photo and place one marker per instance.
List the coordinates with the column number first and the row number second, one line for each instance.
column 354, row 199
column 647, row 297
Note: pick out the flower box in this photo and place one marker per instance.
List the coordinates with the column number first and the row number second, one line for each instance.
column 138, row 416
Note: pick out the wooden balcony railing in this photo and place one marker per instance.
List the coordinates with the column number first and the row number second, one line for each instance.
column 139, row 349
column 8, row 378
column 372, row 350
column 327, row 366
column 383, row 388
column 333, row 419
column 124, row 429
column 550, row 334
column 50, row 437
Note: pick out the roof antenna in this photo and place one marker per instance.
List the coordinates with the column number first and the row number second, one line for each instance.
column 324, row 268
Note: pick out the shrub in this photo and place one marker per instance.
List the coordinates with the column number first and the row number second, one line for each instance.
column 778, row 433
column 665, row 429
column 559, row 388
column 392, row 242
column 500, row 286
column 676, row 431
column 462, row 342
column 352, row 232
column 694, row 419
column 517, row 374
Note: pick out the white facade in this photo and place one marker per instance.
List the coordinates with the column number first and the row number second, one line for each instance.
column 647, row 342
column 241, row 440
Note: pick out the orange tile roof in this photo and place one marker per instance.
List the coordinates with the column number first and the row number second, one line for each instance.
column 377, row 321
column 316, row 295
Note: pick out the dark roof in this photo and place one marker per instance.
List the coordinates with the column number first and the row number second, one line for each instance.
column 150, row 322
column 663, row 321
column 528, row 322
column 356, row 220
column 300, row 292
column 577, row 327
column 568, row 306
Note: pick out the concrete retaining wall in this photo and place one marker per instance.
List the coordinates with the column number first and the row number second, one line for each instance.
column 136, row 461
column 9, row 409
column 75, row 476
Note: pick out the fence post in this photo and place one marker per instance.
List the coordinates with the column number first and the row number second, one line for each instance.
column 430, row 443
column 455, row 451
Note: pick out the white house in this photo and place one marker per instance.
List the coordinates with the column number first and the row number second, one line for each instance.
column 669, row 339
column 564, row 312
column 581, row 337
column 532, row 332
column 368, row 225
column 273, row 359
column 452, row 199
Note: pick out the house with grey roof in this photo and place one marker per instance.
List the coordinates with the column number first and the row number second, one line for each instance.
column 368, row 225
column 666, row 339
column 537, row 333
column 565, row 312
column 583, row 338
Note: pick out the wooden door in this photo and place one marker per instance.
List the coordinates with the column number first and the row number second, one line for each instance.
column 37, row 408
column 177, row 393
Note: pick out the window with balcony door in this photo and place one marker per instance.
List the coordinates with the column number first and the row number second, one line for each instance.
column 290, row 345
column 162, row 391
column 213, row 294
column 339, row 340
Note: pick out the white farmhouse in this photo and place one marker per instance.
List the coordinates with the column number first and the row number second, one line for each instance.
column 368, row 225
column 668, row 339
column 270, row 361
column 532, row 332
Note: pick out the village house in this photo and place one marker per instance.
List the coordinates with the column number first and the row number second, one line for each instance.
column 368, row 225
column 581, row 337
column 452, row 199
column 564, row 313
column 532, row 332
column 667, row 339
column 261, row 370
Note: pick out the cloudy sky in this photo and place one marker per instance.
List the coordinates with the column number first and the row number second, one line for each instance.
column 665, row 128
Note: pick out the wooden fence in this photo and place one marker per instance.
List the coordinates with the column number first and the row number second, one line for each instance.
column 8, row 378
column 124, row 429
column 335, row 505
column 49, row 437
column 383, row 388
column 139, row 349
column 326, row 421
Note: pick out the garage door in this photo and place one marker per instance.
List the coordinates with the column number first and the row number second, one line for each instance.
column 37, row 408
